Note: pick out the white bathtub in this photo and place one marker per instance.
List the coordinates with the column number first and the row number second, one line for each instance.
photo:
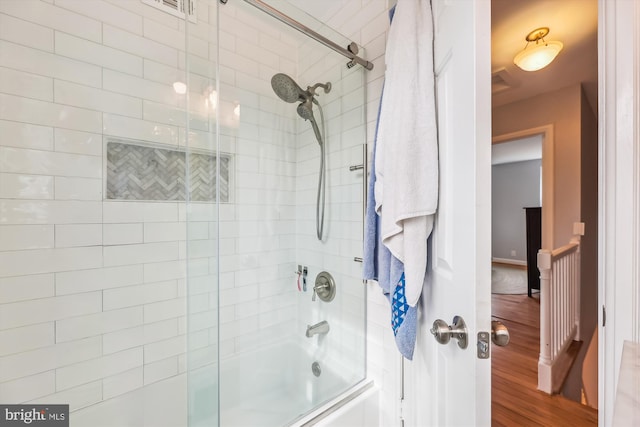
column 270, row 387
column 358, row 407
column 277, row 386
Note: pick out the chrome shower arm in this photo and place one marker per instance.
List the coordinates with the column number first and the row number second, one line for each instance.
column 312, row 89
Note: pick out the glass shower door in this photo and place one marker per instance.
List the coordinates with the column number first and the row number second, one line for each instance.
column 283, row 352
column 208, row 180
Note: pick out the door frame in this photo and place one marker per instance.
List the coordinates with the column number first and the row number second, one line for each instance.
column 618, row 195
column 618, row 186
column 547, row 175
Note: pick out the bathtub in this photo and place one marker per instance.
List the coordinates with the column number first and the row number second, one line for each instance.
column 284, row 391
column 288, row 383
column 357, row 407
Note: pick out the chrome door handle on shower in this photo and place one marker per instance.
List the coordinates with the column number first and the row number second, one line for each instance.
column 443, row 332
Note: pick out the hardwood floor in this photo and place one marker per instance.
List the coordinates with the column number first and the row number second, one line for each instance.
column 515, row 400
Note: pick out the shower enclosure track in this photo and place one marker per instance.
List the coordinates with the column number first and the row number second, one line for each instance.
column 347, row 52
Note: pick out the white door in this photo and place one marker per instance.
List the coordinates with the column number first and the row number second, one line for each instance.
column 444, row 384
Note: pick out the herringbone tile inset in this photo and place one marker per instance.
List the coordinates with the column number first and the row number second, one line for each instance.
column 137, row 172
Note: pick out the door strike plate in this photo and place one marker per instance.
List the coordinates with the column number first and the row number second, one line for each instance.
column 483, row 345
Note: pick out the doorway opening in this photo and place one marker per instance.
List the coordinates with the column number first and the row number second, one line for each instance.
column 516, row 233
column 558, row 103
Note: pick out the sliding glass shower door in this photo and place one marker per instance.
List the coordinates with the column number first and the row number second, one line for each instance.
column 282, row 349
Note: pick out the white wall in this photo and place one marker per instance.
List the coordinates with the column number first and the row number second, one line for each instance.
column 277, row 159
column 514, row 186
column 560, row 108
column 257, row 299
column 92, row 291
column 343, row 109
column 367, row 23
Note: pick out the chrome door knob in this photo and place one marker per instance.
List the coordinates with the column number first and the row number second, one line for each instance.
column 443, row 332
column 499, row 333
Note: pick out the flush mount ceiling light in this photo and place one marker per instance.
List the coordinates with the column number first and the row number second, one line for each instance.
column 541, row 54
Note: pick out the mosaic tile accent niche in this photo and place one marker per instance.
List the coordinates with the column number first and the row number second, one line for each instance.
column 136, row 172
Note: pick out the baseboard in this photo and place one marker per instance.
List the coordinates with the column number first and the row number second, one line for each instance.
column 509, row 261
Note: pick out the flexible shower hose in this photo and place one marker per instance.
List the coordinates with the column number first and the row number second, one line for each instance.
column 321, row 181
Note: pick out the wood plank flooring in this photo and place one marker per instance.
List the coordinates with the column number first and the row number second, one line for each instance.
column 514, row 374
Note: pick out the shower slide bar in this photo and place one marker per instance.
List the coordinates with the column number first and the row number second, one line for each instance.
column 350, row 52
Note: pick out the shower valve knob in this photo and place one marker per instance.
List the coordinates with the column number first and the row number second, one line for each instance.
column 324, row 287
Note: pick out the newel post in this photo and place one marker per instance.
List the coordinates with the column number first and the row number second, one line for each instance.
column 578, row 231
column 544, row 362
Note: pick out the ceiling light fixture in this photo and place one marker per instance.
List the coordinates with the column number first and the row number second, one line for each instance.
column 540, row 55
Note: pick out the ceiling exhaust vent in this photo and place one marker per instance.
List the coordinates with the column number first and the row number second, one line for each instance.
column 501, row 80
column 175, row 7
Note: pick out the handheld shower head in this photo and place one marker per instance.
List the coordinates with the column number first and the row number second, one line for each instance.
column 287, row 89
column 305, row 111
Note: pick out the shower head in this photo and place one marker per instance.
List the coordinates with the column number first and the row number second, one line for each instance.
column 287, row 89
column 305, row 110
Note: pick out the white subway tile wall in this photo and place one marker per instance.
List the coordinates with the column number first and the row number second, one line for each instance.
column 367, row 24
column 92, row 292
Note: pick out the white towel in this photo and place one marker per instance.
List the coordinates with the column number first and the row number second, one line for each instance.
column 406, row 188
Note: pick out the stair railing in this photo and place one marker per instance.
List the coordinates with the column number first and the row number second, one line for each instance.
column 559, row 309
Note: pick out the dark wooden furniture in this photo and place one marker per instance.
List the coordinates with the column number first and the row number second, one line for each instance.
column 534, row 243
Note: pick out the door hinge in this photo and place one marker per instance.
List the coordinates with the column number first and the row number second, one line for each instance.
column 604, row 316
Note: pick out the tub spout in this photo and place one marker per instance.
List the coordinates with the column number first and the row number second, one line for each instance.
column 321, row 328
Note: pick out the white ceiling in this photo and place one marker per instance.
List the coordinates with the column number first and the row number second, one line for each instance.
column 573, row 22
